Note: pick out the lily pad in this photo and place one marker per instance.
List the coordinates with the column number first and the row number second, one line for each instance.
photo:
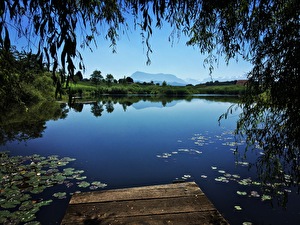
column 243, row 193
column 38, row 190
column 98, row 184
column 43, row 203
column 27, row 205
column 4, row 214
column 83, row 184
column 247, row 223
column 255, row 194
column 10, row 204
column 237, row 207
column 68, row 171
column 222, row 179
column 33, row 223
column 59, row 178
column 266, row 197
column 60, row 195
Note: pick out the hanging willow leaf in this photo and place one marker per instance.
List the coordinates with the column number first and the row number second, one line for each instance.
column 6, row 40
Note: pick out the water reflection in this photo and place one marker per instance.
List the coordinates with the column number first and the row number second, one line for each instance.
column 271, row 173
column 22, row 124
column 127, row 152
column 97, row 109
column 140, row 102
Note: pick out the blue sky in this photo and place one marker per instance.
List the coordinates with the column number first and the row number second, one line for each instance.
column 176, row 58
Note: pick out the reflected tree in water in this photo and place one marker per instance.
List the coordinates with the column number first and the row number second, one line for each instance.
column 276, row 130
column 78, row 107
column 97, row 109
column 109, row 106
column 19, row 124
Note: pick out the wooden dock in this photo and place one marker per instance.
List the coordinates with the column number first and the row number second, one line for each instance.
column 179, row 203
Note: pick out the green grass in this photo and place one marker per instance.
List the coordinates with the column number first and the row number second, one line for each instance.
column 221, row 89
column 89, row 90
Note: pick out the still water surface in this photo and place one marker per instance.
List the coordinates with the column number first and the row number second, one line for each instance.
column 148, row 143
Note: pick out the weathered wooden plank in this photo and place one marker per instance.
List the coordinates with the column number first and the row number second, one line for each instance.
column 181, row 203
column 201, row 218
column 143, row 207
column 148, row 192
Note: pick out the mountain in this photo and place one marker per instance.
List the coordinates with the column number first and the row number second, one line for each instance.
column 192, row 81
column 159, row 78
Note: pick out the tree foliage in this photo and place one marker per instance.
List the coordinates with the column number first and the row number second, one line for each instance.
column 22, row 79
column 96, row 77
column 109, row 78
column 264, row 32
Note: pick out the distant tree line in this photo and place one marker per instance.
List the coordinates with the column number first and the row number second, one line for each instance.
column 97, row 78
column 218, row 83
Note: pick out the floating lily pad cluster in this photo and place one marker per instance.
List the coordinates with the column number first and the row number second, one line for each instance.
column 226, row 138
column 201, row 140
column 265, row 188
column 23, row 180
column 181, row 150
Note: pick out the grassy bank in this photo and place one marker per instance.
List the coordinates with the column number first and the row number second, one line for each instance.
column 89, row 90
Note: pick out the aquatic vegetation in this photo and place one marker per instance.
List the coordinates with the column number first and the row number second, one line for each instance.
column 254, row 194
column 265, row 189
column 23, row 180
column 60, row 195
column 97, row 184
column 186, row 176
column 237, row 207
column 200, row 139
column 167, row 155
column 243, row 193
column 247, row 223
column 222, row 179
column 83, row 184
column 248, row 187
column 266, row 197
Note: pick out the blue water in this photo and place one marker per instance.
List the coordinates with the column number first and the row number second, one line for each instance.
column 149, row 144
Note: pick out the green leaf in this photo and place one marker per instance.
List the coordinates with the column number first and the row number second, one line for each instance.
column 266, row 197
column 33, row 223
column 243, row 193
column 60, row 195
column 83, row 184
column 237, row 207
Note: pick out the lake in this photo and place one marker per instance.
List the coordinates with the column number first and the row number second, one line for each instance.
column 144, row 141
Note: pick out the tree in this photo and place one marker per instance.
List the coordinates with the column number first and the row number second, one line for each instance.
column 264, row 32
column 22, row 79
column 129, row 80
column 122, row 80
column 96, row 77
column 97, row 109
column 109, row 78
column 78, row 76
column 126, row 80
